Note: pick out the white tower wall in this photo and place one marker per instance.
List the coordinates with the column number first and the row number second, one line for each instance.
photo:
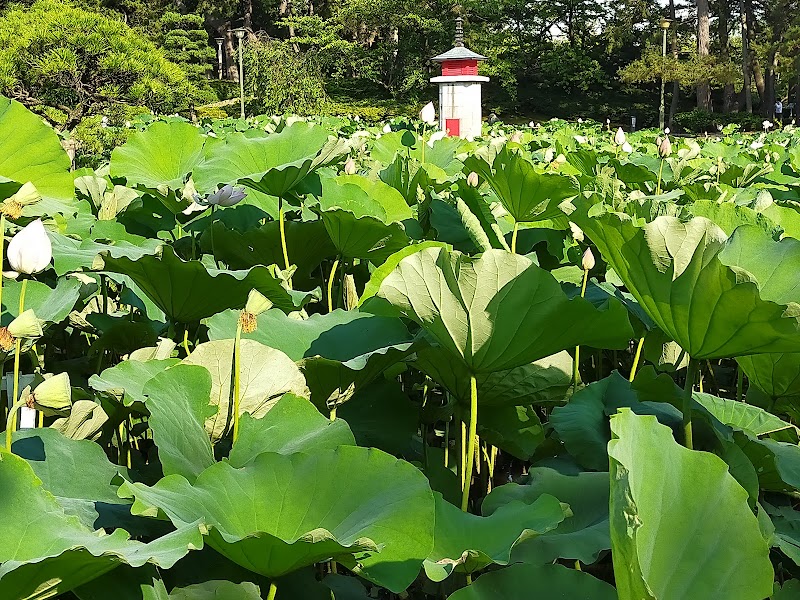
column 460, row 98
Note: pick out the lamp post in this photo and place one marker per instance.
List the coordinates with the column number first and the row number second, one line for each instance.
column 219, row 56
column 240, row 32
column 665, row 25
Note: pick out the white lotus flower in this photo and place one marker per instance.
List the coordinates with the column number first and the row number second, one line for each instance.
column 757, row 145
column 193, row 208
column 619, row 138
column 428, row 114
column 767, row 125
column 30, row 251
column 387, row 128
column 350, row 166
column 227, row 195
column 436, row 137
column 472, row 179
column 580, row 139
column 531, row 124
column 626, row 147
column 588, row 261
column 580, row 121
column 577, row 232
column 666, row 131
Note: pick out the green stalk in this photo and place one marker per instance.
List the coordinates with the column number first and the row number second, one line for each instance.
column 12, row 415
column 636, row 359
column 576, row 366
column 660, row 173
column 273, row 589
column 514, row 238
column 423, row 143
column 104, row 287
column 739, row 384
column 213, row 246
column 473, row 428
column 282, row 228
column 691, row 375
column 333, row 414
column 237, row 359
column 446, row 444
column 11, row 418
column 330, row 284
column 186, row 340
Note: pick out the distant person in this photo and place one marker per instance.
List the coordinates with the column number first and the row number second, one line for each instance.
column 493, row 119
column 779, row 112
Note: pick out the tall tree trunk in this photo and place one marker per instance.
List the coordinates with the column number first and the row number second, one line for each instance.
column 729, row 92
column 676, row 87
column 747, row 86
column 703, row 50
column 248, row 15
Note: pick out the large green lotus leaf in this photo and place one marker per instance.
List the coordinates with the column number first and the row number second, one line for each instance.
column 751, row 419
column 217, row 590
column 498, row 311
column 787, row 531
column 729, row 216
column 54, row 552
column 335, row 349
column 582, row 424
column 681, row 526
column 187, row 291
column 513, row 429
column 547, row 582
column 77, row 473
column 75, row 255
column 31, row 151
column 407, row 144
column 384, row 270
column 85, row 420
column 364, row 197
column 777, row 375
column 364, row 237
column 266, row 374
column 582, row 536
column 51, row 305
column 307, row 243
column 274, row 164
column 544, row 381
column 160, row 157
column 127, row 380
column 178, row 401
column 772, row 265
column 674, row 271
column 280, row 513
column 525, row 193
column 292, row 425
column 468, row 543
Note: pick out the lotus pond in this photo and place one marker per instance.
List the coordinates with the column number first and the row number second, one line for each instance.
column 301, row 359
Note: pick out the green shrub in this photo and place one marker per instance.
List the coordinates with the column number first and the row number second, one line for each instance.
column 701, row 121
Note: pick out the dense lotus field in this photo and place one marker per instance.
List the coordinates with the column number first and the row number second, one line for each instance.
column 304, row 360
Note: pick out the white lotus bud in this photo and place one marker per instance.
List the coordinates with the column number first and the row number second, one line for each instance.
column 516, row 137
column 472, row 179
column 577, row 232
column 619, row 138
column 30, row 251
column 532, row 125
column 626, row 147
column 387, row 128
column 428, row 114
column 560, row 159
column 580, row 121
column 667, row 131
column 350, row 166
column 549, row 154
column 580, row 139
column 588, row 261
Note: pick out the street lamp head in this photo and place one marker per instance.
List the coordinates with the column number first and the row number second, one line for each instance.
column 240, row 32
column 219, row 40
column 666, row 24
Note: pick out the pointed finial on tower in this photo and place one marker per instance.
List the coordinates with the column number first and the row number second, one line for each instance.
column 459, row 32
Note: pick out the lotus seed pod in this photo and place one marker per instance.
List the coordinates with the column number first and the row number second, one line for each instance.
column 30, row 251
column 588, row 261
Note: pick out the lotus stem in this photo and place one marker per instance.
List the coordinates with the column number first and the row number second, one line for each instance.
column 237, row 358
column 739, row 384
column 213, row 245
column 186, row 340
column 282, row 228
column 660, row 174
column 446, row 444
column 691, row 375
column 636, row 359
column 17, row 348
column 473, row 428
column 469, row 578
column 273, row 589
column 423, row 142
column 576, row 366
column 104, row 288
column 12, row 414
column 462, row 448
column 333, row 414
column 330, row 284
column 514, row 238
column 578, row 565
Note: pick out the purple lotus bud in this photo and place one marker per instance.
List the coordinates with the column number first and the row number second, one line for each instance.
column 225, row 196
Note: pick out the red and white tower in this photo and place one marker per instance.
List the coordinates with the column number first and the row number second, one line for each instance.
column 460, row 89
